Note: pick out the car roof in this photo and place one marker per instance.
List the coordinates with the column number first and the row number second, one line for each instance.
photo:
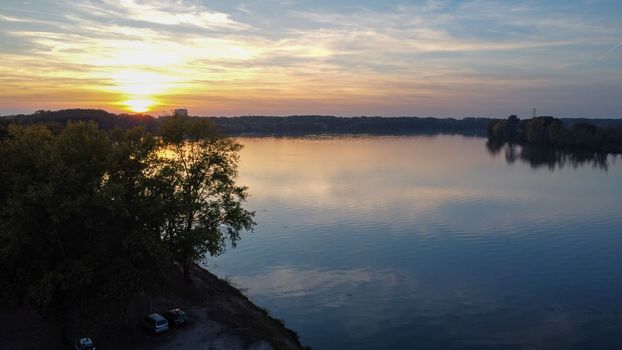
column 86, row 342
column 156, row 317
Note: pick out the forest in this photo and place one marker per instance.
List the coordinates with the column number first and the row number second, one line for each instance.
column 93, row 217
column 553, row 132
column 513, row 130
column 271, row 125
column 309, row 124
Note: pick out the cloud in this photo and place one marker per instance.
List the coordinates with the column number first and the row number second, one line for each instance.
column 171, row 13
column 22, row 20
column 432, row 28
column 329, row 60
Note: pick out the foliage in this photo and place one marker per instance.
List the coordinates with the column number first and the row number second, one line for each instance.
column 298, row 125
column 311, row 124
column 105, row 120
column 88, row 216
column 54, row 219
column 293, row 125
column 549, row 131
column 200, row 169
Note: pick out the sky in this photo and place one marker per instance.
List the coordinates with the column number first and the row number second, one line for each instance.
column 286, row 57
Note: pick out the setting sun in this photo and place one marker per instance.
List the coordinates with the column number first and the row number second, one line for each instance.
column 140, row 88
column 139, row 106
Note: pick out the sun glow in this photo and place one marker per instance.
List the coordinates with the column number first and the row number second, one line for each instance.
column 140, row 88
column 135, row 82
column 139, row 106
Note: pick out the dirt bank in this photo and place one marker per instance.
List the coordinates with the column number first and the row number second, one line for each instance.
column 221, row 317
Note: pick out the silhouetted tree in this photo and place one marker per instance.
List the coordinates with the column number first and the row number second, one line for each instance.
column 53, row 241
column 200, row 168
column 551, row 131
column 89, row 216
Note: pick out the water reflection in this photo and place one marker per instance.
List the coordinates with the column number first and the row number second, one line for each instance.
column 293, row 281
column 430, row 243
column 551, row 158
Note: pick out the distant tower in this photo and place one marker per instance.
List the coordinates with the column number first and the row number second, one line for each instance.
column 180, row 112
column 533, row 114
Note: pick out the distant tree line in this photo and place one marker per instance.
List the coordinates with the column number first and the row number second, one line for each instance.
column 591, row 134
column 349, row 125
column 92, row 217
column 270, row 125
column 56, row 120
column 550, row 131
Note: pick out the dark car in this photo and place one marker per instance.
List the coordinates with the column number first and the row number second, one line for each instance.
column 155, row 323
column 176, row 317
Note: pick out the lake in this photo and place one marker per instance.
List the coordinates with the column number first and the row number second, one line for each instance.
column 431, row 242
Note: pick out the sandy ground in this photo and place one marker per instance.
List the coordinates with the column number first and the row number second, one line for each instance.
column 202, row 333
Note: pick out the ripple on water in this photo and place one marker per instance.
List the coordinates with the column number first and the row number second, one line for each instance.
column 429, row 243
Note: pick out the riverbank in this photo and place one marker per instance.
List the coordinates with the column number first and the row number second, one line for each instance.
column 221, row 317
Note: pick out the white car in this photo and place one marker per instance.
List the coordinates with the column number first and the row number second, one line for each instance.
column 156, row 323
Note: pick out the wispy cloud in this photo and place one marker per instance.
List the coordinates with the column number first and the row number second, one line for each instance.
column 234, row 58
column 603, row 56
column 163, row 12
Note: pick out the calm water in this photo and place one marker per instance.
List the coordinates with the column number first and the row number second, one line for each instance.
column 431, row 243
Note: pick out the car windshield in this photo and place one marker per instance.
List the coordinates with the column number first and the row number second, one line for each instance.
column 161, row 323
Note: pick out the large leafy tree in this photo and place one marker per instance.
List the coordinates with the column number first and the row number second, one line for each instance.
column 199, row 169
column 78, row 219
column 53, row 236
column 134, row 215
column 88, row 217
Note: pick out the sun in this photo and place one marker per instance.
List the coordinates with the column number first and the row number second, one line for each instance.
column 139, row 106
column 140, row 88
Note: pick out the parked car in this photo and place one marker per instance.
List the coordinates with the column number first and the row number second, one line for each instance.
column 176, row 317
column 155, row 323
column 84, row 344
